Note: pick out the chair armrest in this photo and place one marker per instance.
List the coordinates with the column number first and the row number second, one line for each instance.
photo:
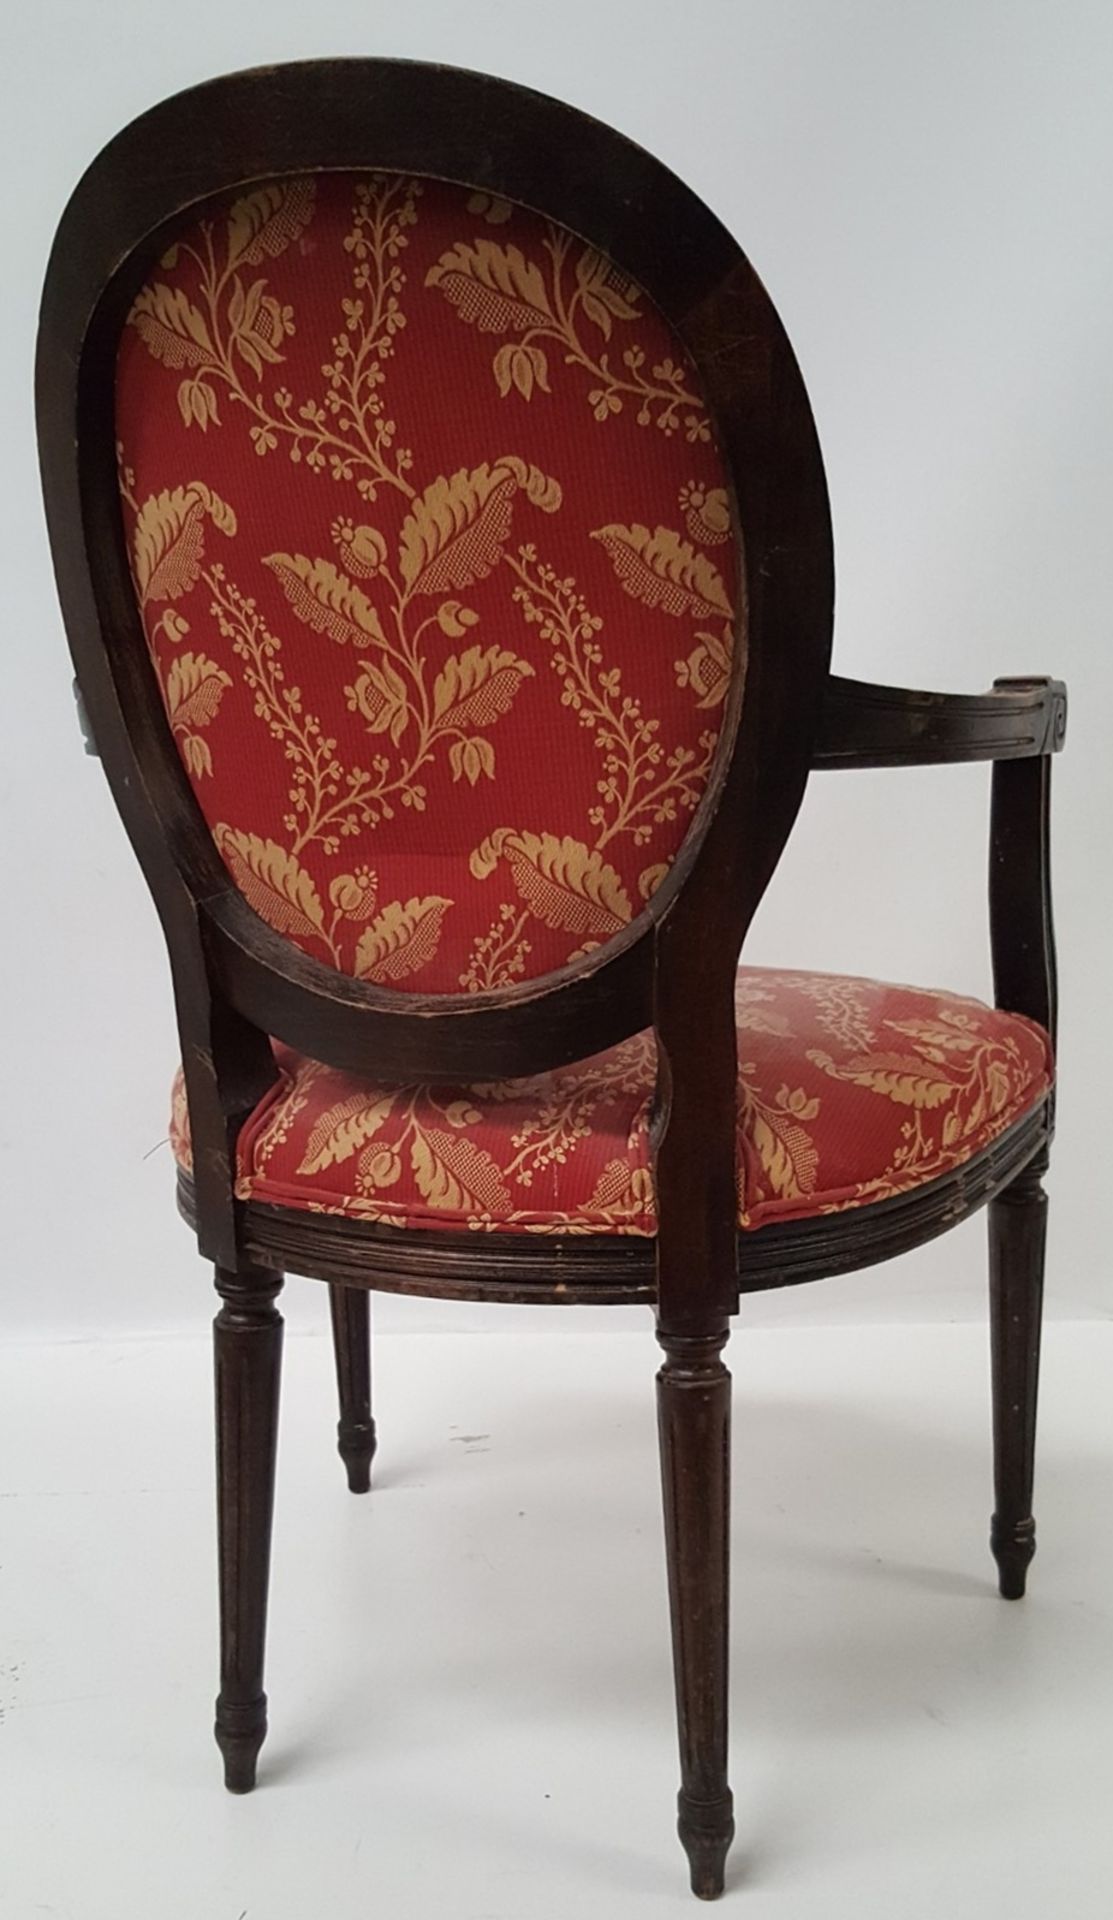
column 869, row 726
column 1019, row 725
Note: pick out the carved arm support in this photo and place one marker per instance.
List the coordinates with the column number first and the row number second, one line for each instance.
column 869, row 726
column 1018, row 725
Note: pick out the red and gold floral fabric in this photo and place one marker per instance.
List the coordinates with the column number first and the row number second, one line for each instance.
column 850, row 1091
column 431, row 541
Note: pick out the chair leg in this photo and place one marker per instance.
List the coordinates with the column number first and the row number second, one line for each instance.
column 351, row 1336
column 693, row 1409
column 247, row 1344
column 1017, row 1232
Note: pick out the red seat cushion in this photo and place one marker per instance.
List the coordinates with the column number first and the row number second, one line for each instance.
column 850, row 1091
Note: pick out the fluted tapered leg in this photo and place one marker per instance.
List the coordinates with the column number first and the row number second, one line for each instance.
column 247, row 1343
column 693, row 1407
column 351, row 1336
column 1017, row 1233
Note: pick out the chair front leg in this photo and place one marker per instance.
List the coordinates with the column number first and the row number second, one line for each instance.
column 1017, row 1235
column 351, row 1336
column 693, row 1408
column 247, row 1345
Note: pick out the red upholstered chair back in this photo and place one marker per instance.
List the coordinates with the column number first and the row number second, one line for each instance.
column 432, row 543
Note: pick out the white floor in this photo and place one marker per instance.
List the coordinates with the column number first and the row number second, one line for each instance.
column 471, row 1711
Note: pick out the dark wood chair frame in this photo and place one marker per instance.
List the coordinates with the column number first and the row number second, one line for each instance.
column 236, row 982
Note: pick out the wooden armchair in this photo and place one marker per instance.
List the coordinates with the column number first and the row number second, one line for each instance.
column 443, row 545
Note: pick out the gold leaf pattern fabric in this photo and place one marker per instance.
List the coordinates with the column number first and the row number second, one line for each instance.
column 849, row 1092
column 431, row 541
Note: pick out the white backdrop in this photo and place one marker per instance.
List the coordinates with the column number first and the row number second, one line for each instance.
column 926, row 192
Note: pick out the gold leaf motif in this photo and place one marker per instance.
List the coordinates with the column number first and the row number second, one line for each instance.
column 401, row 939
column 662, row 570
column 454, row 620
column 567, row 885
column 381, row 695
column 271, row 881
column 171, row 328
column 168, row 539
column 197, row 403
column 343, row 1129
column 258, row 324
column 998, row 1085
column 940, row 1036
column 622, row 1192
column 378, row 1167
column 194, row 689
column 198, row 757
column 598, row 312
column 706, row 513
column 354, row 894
column 788, row 1155
column 650, row 878
column 706, row 670
column 455, row 531
column 603, row 287
column 539, row 488
column 801, row 1105
column 472, row 690
column 218, row 510
column 469, row 759
column 494, row 288
column 326, row 599
column 900, row 1077
column 454, row 1175
column 264, row 223
column 362, row 549
column 518, row 365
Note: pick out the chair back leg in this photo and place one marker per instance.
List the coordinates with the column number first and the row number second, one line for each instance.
column 1017, row 1236
column 351, row 1337
column 247, row 1346
column 693, row 1408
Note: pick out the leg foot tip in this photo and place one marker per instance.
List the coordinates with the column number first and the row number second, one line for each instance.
column 705, row 1834
column 356, row 1447
column 707, row 1870
column 241, row 1758
column 240, row 1730
column 1013, row 1548
column 239, row 1775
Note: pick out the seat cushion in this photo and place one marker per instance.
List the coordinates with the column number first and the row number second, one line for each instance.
column 849, row 1092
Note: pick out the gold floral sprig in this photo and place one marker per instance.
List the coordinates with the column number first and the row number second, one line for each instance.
column 235, row 328
column 498, row 289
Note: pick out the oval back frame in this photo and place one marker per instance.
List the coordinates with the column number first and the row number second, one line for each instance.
column 494, row 136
